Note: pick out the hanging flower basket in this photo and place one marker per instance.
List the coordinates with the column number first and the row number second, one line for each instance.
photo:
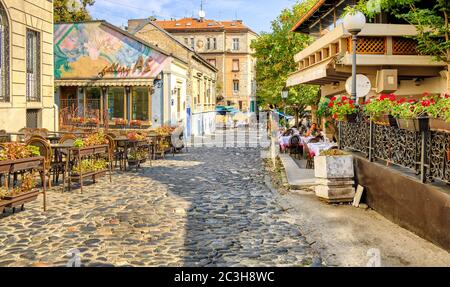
column 350, row 118
column 415, row 125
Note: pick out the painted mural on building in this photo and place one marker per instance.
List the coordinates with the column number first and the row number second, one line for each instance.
column 95, row 51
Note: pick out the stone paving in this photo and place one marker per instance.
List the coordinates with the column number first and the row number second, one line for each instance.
column 208, row 207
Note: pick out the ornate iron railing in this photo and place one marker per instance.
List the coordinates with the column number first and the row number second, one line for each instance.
column 425, row 153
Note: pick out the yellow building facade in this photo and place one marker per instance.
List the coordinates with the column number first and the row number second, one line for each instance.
column 27, row 93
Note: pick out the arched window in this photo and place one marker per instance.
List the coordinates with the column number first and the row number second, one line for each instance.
column 4, row 55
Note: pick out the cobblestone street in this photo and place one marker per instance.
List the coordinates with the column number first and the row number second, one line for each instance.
column 208, row 207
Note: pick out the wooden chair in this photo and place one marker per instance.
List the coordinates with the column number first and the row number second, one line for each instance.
column 46, row 152
column 117, row 153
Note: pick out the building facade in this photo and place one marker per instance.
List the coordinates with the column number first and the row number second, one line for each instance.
column 103, row 72
column 226, row 46
column 26, row 65
column 199, row 107
column 386, row 54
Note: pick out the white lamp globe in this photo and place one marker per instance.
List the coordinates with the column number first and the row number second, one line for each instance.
column 354, row 22
column 285, row 94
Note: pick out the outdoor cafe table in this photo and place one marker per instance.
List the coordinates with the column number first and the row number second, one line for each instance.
column 127, row 144
column 317, row 148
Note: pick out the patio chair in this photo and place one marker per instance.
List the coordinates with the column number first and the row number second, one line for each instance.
column 295, row 145
column 117, row 153
column 309, row 157
column 46, row 151
column 59, row 167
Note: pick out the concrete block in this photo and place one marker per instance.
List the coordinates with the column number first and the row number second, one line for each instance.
column 331, row 194
column 332, row 167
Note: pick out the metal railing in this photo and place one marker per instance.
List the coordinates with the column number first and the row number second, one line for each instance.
column 425, row 153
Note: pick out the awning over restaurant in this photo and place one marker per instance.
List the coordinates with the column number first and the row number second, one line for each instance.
column 320, row 74
column 104, row 83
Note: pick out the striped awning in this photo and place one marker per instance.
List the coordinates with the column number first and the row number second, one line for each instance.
column 104, row 83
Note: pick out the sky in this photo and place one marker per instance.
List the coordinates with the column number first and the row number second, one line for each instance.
column 256, row 14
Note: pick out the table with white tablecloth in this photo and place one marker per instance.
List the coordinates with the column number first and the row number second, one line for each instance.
column 317, row 148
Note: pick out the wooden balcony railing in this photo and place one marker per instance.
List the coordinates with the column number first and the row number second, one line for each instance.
column 369, row 45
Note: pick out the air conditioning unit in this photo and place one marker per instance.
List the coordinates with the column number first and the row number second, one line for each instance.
column 387, row 81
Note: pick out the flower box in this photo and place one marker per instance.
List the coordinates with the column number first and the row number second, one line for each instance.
column 385, row 120
column 439, row 125
column 350, row 118
column 414, row 125
column 22, row 198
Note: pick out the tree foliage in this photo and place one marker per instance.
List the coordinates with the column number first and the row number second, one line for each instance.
column 71, row 10
column 275, row 53
column 431, row 18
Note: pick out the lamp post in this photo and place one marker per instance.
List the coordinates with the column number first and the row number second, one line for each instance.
column 284, row 96
column 354, row 22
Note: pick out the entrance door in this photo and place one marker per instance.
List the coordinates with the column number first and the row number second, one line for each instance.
column 93, row 103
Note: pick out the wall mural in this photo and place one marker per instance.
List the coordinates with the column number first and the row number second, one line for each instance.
column 96, row 51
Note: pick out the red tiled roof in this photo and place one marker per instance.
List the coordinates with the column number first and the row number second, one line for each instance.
column 307, row 15
column 197, row 24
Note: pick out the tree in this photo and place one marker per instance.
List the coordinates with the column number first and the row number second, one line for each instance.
column 431, row 18
column 275, row 53
column 71, row 10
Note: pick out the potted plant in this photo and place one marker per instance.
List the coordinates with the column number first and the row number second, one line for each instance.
column 136, row 124
column 120, row 122
column 380, row 110
column 92, row 122
column 77, row 121
column 343, row 109
column 412, row 115
column 439, row 113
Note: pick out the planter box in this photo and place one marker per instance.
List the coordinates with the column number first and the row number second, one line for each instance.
column 350, row 118
column 414, row 125
column 91, row 150
column 334, row 176
column 334, row 167
column 439, row 125
column 21, row 199
column 5, row 166
column 385, row 120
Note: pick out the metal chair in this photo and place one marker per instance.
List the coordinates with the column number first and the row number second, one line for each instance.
column 294, row 145
column 309, row 157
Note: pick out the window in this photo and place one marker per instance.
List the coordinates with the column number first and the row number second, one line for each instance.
column 215, row 44
column 140, row 104
column 199, row 87
column 235, row 44
column 212, row 62
column 235, row 65
column 192, row 42
column 116, row 103
column 4, row 56
column 236, row 86
column 33, row 66
column 208, row 44
column 186, row 41
column 240, row 105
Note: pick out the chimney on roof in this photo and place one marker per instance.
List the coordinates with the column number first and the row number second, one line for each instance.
column 201, row 13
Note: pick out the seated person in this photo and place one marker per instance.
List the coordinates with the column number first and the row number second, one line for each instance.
column 313, row 131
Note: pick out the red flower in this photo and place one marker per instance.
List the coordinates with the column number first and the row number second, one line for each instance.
column 335, row 116
column 392, row 98
column 351, row 102
column 412, row 101
column 331, row 105
column 401, row 101
column 333, row 99
column 383, row 97
column 426, row 103
column 426, row 94
column 344, row 98
column 447, row 96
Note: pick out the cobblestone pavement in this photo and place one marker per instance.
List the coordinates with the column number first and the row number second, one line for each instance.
column 208, row 207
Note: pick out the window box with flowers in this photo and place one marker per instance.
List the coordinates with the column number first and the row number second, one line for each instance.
column 343, row 109
column 439, row 113
column 412, row 115
column 380, row 110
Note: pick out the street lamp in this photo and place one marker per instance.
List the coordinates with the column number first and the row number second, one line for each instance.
column 284, row 96
column 354, row 23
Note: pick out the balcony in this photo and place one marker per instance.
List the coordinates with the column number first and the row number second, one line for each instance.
column 378, row 45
